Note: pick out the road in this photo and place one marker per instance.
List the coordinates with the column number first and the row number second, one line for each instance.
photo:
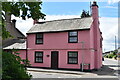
column 109, row 70
column 111, row 63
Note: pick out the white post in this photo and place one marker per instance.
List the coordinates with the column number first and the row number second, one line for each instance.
column 82, row 56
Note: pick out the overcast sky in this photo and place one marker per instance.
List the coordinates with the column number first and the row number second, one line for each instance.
column 108, row 16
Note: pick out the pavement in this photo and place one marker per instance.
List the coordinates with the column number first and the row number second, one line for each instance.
column 55, row 71
column 106, row 71
column 103, row 72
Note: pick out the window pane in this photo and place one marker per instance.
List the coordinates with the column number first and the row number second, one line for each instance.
column 39, row 41
column 74, row 33
column 72, row 60
column 38, row 59
column 73, row 39
column 39, row 54
column 73, row 57
column 72, row 54
column 39, row 35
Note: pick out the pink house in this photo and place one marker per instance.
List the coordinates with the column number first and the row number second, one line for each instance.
column 66, row 44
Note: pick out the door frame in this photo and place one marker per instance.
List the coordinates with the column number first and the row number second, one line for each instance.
column 56, row 66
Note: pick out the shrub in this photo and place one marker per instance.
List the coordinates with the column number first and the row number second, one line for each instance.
column 106, row 56
column 115, row 56
column 12, row 69
column 110, row 55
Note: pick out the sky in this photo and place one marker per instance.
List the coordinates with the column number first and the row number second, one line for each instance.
column 108, row 17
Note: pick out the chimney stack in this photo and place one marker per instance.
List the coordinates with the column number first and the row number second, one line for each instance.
column 94, row 3
column 14, row 22
column 35, row 21
column 95, row 34
column 94, row 7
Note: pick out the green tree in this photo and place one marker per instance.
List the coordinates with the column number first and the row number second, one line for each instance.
column 20, row 9
column 5, row 33
column 85, row 14
column 12, row 67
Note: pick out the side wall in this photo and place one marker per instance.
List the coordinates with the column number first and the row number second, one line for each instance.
column 95, row 43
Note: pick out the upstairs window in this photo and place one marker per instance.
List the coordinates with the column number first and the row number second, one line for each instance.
column 38, row 57
column 73, row 37
column 39, row 38
column 72, row 57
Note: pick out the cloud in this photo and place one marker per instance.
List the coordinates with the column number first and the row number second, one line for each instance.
column 23, row 25
column 111, row 7
column 108, row 26
column 113, row 1
column 56, row 17
column 74, row 0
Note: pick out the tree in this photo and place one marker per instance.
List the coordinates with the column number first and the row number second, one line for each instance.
column 12, row 67
column 20, row 9
column 85, row 14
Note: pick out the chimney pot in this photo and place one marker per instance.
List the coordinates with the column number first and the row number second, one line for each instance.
column 35, row 21
column 94, row 3
column 13, row 20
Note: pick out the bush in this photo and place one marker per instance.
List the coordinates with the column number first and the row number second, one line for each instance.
column 115, row 56
column 12, row 69
column 106, row 56
column 109, row 56
column 112, row 55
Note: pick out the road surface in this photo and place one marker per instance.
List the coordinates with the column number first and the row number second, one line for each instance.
column 109, row 70
column 111, row 63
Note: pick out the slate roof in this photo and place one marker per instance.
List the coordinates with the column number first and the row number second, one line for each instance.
column 62, row 25
column 16, row 46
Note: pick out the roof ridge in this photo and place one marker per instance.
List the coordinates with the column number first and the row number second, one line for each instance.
column 62, row 19
column 62, row 25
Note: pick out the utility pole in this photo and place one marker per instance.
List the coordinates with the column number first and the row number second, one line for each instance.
column 90, row 9
column 115, row 43
column 104, row 50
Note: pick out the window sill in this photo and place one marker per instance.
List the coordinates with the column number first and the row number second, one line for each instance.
column 38, row 62
column 72, row 63
column 72, row 42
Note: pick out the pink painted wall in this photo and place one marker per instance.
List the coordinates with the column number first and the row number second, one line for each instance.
column 62, row 59
column 96, row 36
column 22, row 54
column 46, row 60
column 59, row 42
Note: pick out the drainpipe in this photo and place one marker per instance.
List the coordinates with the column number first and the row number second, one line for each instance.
column 82, row 55
column 26, row 50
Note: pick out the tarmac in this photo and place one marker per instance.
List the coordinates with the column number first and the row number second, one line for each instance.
column 103, row 72
column 55, row 71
